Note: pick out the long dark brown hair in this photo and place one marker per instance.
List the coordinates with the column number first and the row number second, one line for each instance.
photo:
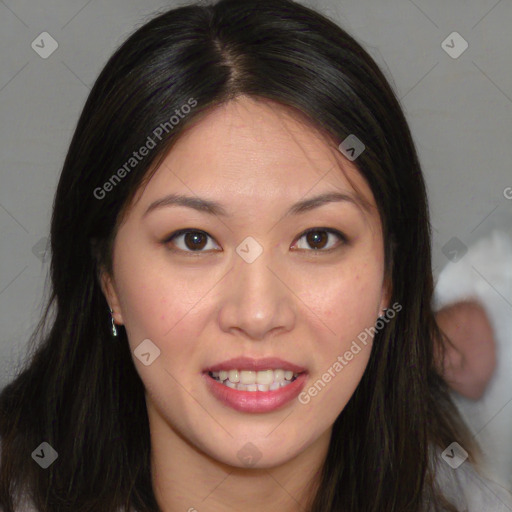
column 72, row 391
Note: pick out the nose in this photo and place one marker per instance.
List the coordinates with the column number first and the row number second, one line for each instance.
column 258, row 298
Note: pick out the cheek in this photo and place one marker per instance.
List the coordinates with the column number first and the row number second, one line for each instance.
column 349, row 307
column 349, row 302
column 158, row 308
column 155, row 303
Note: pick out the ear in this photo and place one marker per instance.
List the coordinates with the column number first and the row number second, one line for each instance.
column 108, row 288
column 387, row 291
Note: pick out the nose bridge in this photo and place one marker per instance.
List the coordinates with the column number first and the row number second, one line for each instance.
column 257, row 301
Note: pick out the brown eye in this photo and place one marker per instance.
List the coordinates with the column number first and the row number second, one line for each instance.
column 317, row 239
column 195, row 240
column 189, row 240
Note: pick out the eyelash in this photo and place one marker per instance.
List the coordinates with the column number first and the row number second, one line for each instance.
column 335, row 232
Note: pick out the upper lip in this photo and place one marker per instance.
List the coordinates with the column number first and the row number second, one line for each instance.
column 247, row 363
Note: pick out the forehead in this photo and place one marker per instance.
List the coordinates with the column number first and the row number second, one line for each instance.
column 251, row 153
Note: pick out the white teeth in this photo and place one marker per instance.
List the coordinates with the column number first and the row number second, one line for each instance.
column 234, row 376
column 257, row 387
column 249, row 380
column 247, row 377
column 278, row 375
column 265, row 377
column 273, row 386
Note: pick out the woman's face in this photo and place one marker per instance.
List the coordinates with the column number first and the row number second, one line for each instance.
column 246, row 282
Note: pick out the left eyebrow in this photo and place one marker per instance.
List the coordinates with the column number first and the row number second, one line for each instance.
column 214, row 208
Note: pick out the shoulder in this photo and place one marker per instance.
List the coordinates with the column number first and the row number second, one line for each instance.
column 469, row 490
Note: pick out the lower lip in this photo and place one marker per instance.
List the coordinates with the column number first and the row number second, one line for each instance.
column 255, row 401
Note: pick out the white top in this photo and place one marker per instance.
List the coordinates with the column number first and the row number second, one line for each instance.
column 485, row 273
column 470, row 491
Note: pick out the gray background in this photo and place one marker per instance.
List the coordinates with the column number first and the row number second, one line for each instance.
column 459, row 110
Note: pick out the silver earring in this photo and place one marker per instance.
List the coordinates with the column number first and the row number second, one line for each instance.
column 114, row 330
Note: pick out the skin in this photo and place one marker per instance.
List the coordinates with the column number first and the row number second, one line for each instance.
column 292, row 302
column 470, row 363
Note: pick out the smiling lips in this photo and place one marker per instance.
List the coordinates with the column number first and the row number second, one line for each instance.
column 255, row 385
